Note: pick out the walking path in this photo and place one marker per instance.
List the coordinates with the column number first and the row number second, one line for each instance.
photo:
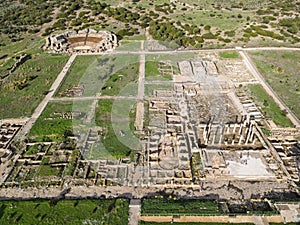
column 258, row 220
column 38, row 111
column 252, row 68
column 134, row 211
column 169, row 52
column 86, row 98
column 141, row 90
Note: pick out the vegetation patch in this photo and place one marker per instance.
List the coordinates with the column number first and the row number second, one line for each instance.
column 57, row 120
column 108, row 135
column 155, row 70
column 268, row 106
column 281, row 71
column 28, row 84
column 114, row 211
column 229, row 55
column 120, row 79
column 75, row 73
column 173, row 206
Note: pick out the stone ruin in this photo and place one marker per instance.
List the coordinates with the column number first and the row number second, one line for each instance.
column 83, row 41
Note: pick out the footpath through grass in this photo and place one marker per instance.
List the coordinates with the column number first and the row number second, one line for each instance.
column 269, row 106
column 113, row 211
column 23, row 90
column 281, row 71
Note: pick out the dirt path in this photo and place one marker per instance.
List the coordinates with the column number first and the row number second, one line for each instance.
column 141, row 91
column 259, row 220
column 252, row 68
column 38, row 111
column 134, row 211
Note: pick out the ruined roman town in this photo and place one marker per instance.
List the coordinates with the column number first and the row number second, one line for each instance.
column 204, row 137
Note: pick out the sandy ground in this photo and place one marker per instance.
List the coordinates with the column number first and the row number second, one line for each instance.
column 209, row 219
column 251, row 167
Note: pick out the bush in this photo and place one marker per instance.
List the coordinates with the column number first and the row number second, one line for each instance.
column 209, row 36
column 207, row 27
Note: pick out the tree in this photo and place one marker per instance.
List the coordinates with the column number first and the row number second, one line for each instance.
column 207, row 27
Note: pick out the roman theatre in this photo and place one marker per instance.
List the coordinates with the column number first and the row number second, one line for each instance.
column 83, row 41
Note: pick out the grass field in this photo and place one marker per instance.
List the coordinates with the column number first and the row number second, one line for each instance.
column 28, row 45
column 229, row 55
column 135, row 38
column 56, row 119
column 161, row 206
column 110, row 138
column 268, row 106
column 22, row 91
column 94, row 73
column 75, row 73
column 64, row 212
column 128, row 45
column 116, row 82
column 281, row 71
column 152, row 72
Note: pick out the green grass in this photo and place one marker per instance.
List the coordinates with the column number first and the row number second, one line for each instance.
column 281, row 71
column 116, row 82
column 95, row 73
column 146, row 113
column 161, row 206
column 28, row 44
column 268, row 106
column 229, row 54
column 152, row 71
column 36, row 75
column 129, row 46
column 135, row 38
column 52, row 126
column 64, row 212
column 32, row 150
column 151, row 68
column 109, row 138
column 76, row 72
column 226, row 21
column 48, row 170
